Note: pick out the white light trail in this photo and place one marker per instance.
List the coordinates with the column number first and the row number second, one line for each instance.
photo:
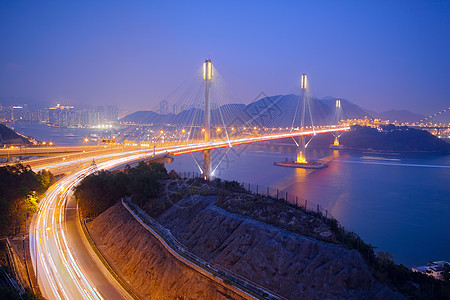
column 59, row 274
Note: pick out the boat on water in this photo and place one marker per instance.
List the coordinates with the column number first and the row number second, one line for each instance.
column 70, row 135
column 337, row 147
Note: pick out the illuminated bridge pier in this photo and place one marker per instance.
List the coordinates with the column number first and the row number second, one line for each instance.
column 301, row 147
column 301, row 161
column 338, row 117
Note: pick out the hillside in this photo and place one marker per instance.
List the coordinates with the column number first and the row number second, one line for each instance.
column 274, row 111
column 8, row 137
column 394, row 139
column 292, row 252
column 151, row 271
column 390, row 139
column 401, row 116
column 290, row 264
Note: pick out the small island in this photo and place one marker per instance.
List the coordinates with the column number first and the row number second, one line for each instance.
column 387, row 138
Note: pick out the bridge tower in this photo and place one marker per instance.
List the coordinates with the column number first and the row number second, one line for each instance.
column 207, row 78
column 301, row 158
column 338, row 119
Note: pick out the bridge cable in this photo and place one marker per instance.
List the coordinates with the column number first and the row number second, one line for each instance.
column 228, row 149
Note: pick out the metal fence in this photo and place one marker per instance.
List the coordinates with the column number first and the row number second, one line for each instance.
column 274, row 193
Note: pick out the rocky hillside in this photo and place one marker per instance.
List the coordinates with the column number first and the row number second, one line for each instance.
column 292, row 252
column 137, row 256
column 293, row 265
column 8, row 137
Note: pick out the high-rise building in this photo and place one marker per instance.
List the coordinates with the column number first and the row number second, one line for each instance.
column 61, row 116
column 164, row 107
column 174, row 109
column 112, row 113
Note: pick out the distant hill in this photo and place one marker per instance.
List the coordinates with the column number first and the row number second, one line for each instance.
column 394, row 139
column 274, row 111
column 401, row 116
column 8, row 137
column 389, row 138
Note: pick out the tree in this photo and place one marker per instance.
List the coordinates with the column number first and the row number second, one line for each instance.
column 447, row 272
column 99, row 191
column 20, row 188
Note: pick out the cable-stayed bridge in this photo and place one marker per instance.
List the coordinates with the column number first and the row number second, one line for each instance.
column 200, row 131
column 60, row 257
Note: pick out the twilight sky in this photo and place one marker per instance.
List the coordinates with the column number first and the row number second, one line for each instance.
column 377, row 54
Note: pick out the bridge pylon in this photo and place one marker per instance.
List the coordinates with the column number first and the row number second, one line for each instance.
column 301, row 148
column 207, row 78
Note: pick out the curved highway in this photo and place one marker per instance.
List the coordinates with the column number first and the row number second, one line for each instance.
column 64, row 263
column 66, row 267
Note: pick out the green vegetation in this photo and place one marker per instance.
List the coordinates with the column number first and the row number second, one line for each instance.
column 393, row 138
column 101, row 190
column 20, row 189
column 447, row 272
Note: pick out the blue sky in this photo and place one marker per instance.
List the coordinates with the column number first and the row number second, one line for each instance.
column 377, row 54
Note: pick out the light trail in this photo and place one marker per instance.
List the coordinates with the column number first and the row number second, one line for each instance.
column 59, row 273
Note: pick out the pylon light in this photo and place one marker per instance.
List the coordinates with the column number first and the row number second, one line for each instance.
column 210, row 70
column 204, row 70
column 207, row 70
column 304, row 81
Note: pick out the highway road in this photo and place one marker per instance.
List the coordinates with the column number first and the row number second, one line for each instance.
column 65, row 265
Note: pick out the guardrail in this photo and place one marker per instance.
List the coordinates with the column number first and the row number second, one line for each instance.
column 103, row 259
column 176, row 248
column 16, row 284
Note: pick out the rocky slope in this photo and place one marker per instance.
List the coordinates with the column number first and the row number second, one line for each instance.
column 8, row 136
column 293, row 265
column 139, row 258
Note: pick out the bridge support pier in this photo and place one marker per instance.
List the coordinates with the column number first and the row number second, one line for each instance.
column 336, row 141
column 207, row 77
column 206, row 174
column 301, row 149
